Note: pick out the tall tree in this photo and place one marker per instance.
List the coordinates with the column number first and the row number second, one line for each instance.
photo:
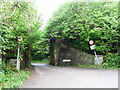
column 19, row 19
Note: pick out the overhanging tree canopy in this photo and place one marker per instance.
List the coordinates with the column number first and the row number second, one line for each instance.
column 19, row 19
column 79, row 22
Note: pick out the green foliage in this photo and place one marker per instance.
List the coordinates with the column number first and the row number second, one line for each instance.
column 79, row 22
column 40, row 48
column 13, row 79
column 24, row 22
column 5, row 68
column 113, row 61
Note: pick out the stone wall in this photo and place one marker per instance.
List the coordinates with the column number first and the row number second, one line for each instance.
column 76, row 56
column 60, row 51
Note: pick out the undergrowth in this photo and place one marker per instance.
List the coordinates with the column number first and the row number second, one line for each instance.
column 12, row 79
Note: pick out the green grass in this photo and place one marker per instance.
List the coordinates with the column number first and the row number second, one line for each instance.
column 13, row 79
column 41, row 61
column 95, row 66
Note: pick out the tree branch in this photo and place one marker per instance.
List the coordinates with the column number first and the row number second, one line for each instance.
column 16, row 5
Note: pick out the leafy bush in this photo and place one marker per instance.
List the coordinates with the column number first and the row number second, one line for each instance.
column 13, row 79
column 113, row 61
column 5, row 68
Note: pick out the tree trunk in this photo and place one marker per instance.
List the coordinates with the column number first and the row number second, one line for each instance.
column 51, row 52
column 55, row 51
column 26, row 62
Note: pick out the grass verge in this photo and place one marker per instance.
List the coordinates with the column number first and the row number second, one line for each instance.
column 41, row 61
column 96, row 66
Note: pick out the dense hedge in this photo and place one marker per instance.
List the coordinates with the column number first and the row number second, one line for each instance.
column 79, row 22
column 113, row 61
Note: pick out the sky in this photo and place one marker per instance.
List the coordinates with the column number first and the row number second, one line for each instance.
column 47, row 7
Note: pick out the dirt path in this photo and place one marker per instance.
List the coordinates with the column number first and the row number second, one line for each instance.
column 47, row 76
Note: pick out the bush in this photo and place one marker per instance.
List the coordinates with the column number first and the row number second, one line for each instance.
column 13, row 79
column 5, row 68
column 113, row 61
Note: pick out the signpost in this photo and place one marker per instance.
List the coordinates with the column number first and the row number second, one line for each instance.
column 91, row 42
column 92, row 47
column 20, row 39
